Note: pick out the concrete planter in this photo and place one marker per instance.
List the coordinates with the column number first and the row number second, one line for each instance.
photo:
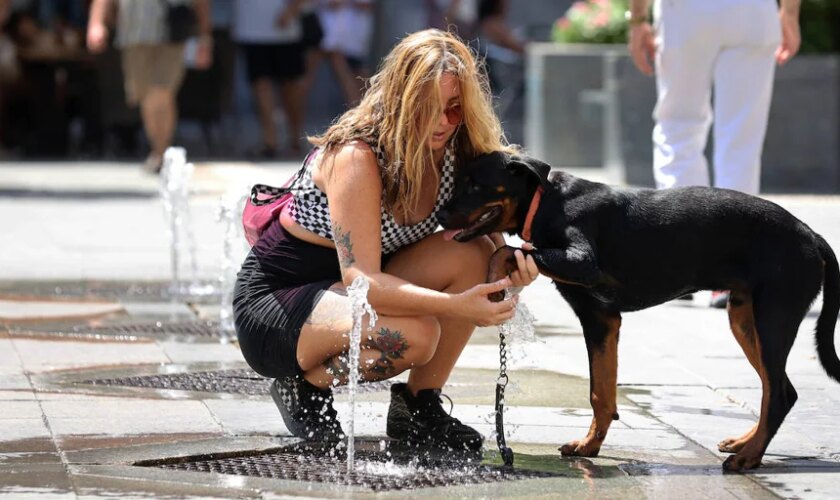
column 588, row 106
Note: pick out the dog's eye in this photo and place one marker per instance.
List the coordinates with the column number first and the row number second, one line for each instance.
column 475, row 188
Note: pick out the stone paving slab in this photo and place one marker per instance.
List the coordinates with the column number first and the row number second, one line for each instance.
column 40, row 311
column 40, row 355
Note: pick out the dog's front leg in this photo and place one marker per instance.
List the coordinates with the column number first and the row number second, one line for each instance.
column 601, row 333
column 573, row 266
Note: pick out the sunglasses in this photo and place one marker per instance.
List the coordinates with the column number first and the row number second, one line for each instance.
column 454, row 114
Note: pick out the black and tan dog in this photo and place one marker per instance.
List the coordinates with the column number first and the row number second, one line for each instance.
column 610, row 251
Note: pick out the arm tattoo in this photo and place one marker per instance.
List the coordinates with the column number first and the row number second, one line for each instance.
column 392, row 346
column 343, row 246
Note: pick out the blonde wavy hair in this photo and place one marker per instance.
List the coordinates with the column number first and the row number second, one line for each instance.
column 401, row 108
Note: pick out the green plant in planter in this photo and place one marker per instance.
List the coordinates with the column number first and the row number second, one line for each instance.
column 593, row 21
column 818, row 21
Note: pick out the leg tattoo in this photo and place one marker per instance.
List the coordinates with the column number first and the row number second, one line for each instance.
column 392, row 346
column 338, row 367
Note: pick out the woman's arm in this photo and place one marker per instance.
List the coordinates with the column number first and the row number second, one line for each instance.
column 354, row 188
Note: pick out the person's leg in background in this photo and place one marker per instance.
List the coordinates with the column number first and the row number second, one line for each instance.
column 258, row 64
column 743, row 90
column 361, row 73
column 291, row 68
column 350, row 85
column 685, row 57
column 261, row 63
column 313, row 57
column 153, row 75
column 159, row 113
column 263, row 89
column 292, row 95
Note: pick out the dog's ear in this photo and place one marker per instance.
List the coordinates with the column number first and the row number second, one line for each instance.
column 533, row 166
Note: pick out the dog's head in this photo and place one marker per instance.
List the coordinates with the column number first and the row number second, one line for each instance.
column 492, row 194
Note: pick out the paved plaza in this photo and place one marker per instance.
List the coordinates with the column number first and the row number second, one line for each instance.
column 106, row 383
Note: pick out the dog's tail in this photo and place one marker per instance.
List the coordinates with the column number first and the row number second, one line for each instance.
column 828, row 316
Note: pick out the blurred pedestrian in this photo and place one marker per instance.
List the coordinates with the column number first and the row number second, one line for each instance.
column 498, row 42
column 348, row 30
column 456, row 16
column 153, row 58
column 728, row 45
column 269, row 33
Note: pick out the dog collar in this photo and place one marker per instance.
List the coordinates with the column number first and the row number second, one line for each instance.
column 532, row 211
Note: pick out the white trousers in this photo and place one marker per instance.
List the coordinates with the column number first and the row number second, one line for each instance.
column 728, row 44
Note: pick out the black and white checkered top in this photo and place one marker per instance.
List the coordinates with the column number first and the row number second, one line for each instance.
column 311, row 210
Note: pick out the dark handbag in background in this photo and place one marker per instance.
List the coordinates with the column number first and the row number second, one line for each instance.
column 180, row 21
column 311, row 28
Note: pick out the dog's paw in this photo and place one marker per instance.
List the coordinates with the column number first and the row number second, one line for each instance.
column 736, row 444
column 502, row 263
column 579, row 449
column 739, row 462
column 731, row 445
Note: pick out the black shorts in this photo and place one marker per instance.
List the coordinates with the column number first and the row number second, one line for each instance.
column 281, row 281
column 279, row 62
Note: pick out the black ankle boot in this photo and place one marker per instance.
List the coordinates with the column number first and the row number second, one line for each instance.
column 306, row 410
column 421, row 420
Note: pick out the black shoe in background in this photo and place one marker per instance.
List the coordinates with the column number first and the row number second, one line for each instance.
column 307, row 410
column 421, row 420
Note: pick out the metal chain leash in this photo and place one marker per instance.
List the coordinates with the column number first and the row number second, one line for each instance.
column 501, row 382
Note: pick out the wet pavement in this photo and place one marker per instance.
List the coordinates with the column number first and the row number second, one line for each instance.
column 84, row 303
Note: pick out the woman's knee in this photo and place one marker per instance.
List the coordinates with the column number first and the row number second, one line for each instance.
column 423, row 340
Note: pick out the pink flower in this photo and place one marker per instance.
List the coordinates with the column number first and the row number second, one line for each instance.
column 580, row 6
column 563, row 23
column 602, row 19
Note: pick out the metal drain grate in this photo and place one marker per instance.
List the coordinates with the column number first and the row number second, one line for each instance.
column 128, row 331
column 378, row 471
column 238, row 381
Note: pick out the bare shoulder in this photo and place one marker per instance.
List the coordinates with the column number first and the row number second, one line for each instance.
column 356, row 156
column 353, row 163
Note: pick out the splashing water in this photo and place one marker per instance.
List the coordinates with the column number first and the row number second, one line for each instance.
column 233, row 253
column 174, row 191
column 357, row 292
column 519, row 330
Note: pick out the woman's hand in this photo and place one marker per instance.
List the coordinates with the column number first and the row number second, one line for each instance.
column 474, row 305
column 526, row 269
